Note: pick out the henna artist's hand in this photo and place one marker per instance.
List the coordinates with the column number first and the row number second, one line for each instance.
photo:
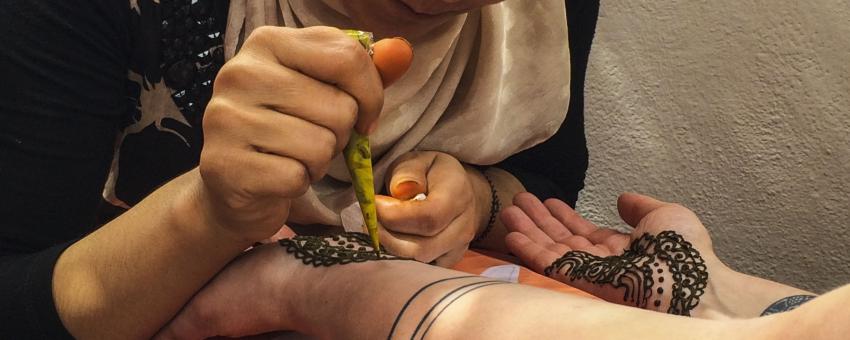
column 441, row 226
column 281, row 109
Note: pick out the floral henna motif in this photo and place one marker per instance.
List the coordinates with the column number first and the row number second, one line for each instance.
column 639, row 269
column 339, row 249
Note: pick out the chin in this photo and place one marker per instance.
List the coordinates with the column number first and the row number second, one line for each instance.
column 390, row 18
column 438, row 7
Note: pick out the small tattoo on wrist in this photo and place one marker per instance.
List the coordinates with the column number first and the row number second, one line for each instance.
column 787, row 303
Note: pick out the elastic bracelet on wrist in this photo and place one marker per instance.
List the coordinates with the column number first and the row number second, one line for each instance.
column 495, row 207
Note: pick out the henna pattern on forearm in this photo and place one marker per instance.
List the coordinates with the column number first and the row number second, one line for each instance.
column 640, row 271
column 338, row 249
column 356, row 247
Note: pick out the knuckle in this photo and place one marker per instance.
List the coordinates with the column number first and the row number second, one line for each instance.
column 326, row 140
column 326, row 144
column 210, row 166
column 233, row 74
column 217, row 113
column 348, row 108
column 300, row 180
column 349, row 57
column 323, row 32
column 350, row 47
column 263, row 34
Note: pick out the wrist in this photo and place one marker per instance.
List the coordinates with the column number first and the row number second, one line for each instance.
column 331, row 295
column 193, row 211
column 483, row 195
column 505, row 187
column 734, row 295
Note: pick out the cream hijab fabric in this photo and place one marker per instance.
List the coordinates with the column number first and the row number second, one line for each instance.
column 484, row 86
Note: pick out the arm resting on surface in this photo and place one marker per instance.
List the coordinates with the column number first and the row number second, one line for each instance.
column 131, row 276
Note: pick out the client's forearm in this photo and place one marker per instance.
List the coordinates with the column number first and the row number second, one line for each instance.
column 404, row 299
column 442, row 304
column 738, row 295
column 824, row 317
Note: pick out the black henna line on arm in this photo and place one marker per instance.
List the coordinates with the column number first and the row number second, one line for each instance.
column 413, row 297
column 455, row 299
column 787, row 304
column 453, row 295
column 431, row 310
column 634, row 270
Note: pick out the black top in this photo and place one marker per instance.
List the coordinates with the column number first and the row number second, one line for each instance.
column 65, row 97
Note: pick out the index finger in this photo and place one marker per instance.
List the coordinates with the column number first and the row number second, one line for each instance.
column 329, row 55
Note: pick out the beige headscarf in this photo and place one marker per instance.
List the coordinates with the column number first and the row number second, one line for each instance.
column 485, row 86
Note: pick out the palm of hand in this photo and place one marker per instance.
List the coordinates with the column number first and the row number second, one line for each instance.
column 541, row 233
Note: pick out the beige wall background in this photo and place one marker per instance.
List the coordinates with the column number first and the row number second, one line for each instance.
column 741, row 111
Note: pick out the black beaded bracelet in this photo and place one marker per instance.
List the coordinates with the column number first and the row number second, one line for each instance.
column 495, row 207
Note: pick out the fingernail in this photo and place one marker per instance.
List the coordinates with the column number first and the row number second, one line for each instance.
column 406, row 190
column 405, row 41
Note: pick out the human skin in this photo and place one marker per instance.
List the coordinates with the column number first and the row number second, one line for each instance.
column 458, row 200
column 131, row 276
column 459, row 197
column 125, row 280
column 542, row 232
column 411, row 19
column 365, row 300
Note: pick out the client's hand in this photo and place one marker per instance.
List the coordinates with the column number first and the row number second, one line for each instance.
column 664, row 264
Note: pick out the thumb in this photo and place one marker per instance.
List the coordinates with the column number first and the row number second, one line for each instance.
column 634, row 207
column 392, row 58
column 409, row 177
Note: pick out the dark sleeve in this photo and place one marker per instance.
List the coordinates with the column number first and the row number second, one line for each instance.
column 63, row 74
column 556, row 168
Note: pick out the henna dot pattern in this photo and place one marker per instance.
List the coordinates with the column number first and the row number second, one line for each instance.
column 339, row 249
column 633, row 271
